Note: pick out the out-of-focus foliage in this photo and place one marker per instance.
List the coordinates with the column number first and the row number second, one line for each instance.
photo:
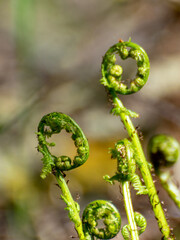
column 50, row 57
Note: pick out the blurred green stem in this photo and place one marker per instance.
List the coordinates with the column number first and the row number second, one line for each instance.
column 24, row 22
column 170, row 186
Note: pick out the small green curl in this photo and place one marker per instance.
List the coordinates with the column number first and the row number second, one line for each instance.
column 53, row 123
column 163, row 150
column 126, row 166
column 101, row 210
column 124, row 153
column 112, row 73
column 140, row 222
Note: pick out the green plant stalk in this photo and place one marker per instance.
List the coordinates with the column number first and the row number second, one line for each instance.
column 143, row 165
column 129, row 210
column 170, row 186
column 72, row 206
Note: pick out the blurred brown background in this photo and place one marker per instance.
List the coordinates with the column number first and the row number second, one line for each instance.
column 50, row 57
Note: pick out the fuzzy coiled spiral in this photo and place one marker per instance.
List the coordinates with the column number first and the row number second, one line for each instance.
column 53, row 123
column 112, row 73
column 105, row 211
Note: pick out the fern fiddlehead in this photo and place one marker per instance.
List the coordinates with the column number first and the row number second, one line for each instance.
column 126, row 173
column 53, row 123
column 126, row 165
column 105, row 211
column 112, row 73
column 164, row 152
column 111, row 79
column 50, row 124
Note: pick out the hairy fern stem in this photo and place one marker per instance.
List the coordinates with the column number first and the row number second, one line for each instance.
column 144, row 168
column 72, row 206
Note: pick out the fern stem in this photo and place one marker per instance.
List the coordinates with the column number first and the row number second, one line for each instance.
column 72, row 206
column 143, row 165
column 129, row 210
